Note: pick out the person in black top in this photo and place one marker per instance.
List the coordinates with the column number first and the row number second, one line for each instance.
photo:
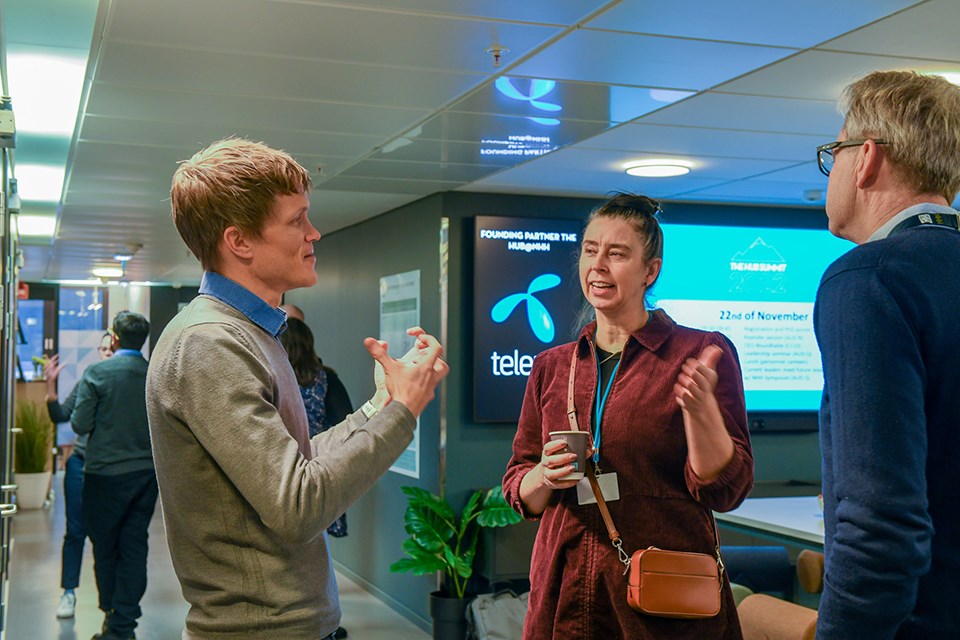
column 325, row 398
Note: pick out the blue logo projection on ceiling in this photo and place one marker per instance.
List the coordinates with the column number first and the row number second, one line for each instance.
column 541, row 323
column 538, row 89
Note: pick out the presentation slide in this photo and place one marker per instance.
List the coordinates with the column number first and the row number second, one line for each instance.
column 757, row 286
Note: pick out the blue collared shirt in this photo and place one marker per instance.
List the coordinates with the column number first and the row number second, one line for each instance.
column 127, row 352
column 270, row 319
column 927, row 207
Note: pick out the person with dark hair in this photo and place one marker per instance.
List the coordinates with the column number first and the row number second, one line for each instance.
column 119, row 482
column 885, row 321
column 292, row 311
column 665, row 406
column 324, row 396
column 76, row 533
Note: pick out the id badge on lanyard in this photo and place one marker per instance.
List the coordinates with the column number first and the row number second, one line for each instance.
column 609, row 487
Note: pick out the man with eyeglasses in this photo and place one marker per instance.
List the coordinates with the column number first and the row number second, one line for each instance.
column 885, row 320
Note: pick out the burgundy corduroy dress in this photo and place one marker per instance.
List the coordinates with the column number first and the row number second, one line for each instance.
column 578, row 590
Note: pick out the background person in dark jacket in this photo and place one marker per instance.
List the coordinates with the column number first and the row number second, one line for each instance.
column 885, row 319
column 76, row 533
column 120, row 484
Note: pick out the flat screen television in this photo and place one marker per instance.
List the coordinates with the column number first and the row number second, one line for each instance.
column 755, row 284
column 526, row 298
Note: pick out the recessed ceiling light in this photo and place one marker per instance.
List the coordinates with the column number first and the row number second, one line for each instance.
column 659, row 168
column 108, row 272
column 669, row 95
column 40, row 182
column 46, row 91
column 123, row 257
column 36, row 226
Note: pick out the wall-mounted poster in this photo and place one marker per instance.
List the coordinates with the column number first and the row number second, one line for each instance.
column 400, row 310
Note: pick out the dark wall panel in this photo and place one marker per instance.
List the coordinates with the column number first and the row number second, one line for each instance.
column 164, row 304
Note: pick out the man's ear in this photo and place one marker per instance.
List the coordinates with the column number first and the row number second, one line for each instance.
column 870, row 161
column 236, row 243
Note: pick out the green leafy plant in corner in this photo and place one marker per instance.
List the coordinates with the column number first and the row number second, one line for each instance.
column 439, row 541
column 34, row 444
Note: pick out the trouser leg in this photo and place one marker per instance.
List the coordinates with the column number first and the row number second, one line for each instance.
column 131, row 570
column 76, row 534
column 103, row 510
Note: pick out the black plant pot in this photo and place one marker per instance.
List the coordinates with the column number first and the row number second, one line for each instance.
column 449, row 616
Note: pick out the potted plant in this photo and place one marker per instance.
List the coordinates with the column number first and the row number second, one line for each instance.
column 439, row 541
column 33, row 454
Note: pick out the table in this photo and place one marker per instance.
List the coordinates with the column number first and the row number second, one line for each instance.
column 795, row 520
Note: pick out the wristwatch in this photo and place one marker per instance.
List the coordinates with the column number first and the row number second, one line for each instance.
column 368, row 409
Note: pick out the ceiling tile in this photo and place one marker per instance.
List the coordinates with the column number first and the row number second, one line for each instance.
column 286, row 78
column 648, row 61
column 752, row 113
column 819, row 75
column 226, row 114
column 694, row 142
column 389, row 38
column 927, row 30
column 552, row 12
column 193, row 137
column 784, row 24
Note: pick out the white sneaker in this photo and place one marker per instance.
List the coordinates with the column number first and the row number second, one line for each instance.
column 68, row 603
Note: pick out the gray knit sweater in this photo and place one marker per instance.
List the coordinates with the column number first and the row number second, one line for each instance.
column 246, row 497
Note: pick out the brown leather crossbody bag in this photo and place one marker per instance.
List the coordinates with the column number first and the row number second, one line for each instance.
column 667, row 584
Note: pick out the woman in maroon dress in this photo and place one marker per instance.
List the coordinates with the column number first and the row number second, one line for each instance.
column 665, row 406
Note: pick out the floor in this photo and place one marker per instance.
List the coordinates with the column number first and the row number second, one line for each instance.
column 34, row 589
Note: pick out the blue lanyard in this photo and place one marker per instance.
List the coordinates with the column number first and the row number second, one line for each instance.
column 601, row 403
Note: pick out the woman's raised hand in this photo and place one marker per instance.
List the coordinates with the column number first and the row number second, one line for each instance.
column 698, row 380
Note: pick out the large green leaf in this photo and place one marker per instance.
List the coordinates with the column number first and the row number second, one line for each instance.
column 496, row 511
column 428, row 519
column 469, row 510
column 427, row 529
column 419, row 564
column 423, row 499
column 465, row 563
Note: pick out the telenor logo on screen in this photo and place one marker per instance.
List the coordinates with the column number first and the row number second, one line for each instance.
column 541, row 323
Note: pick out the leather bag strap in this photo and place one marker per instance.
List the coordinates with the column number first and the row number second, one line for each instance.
column 571, row 410
column 591, row 471
column 598, row 493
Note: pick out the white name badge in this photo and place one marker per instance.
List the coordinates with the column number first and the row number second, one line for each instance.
column 608, row 487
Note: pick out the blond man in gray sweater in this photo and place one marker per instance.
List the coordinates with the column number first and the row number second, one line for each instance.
column 246, row 495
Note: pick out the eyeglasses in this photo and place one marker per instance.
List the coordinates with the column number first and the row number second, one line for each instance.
column 825, row 152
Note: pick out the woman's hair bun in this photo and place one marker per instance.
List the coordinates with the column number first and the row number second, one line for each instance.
column 627, row 204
